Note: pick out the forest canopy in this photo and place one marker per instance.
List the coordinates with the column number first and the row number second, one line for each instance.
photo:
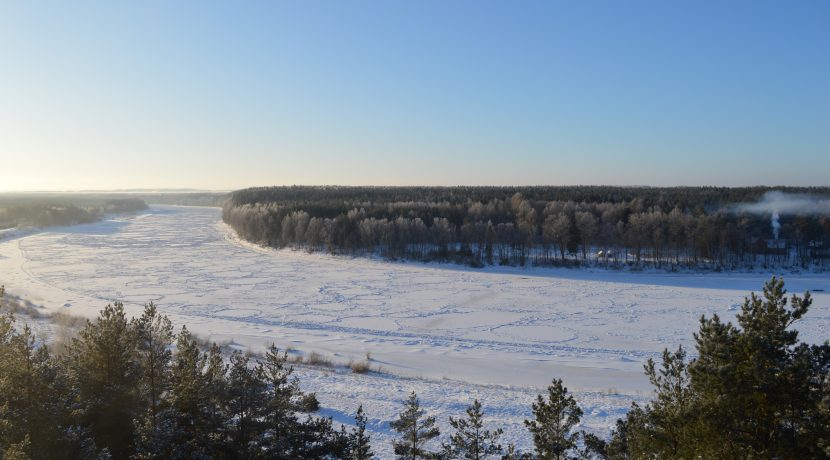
column 709, row 227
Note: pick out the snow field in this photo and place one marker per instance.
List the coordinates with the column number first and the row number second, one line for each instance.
column 450, row 333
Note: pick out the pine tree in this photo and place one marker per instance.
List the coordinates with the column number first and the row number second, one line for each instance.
column 212, row 427
column 156, row 429
column 35, row 404
column 283, row 435
column 359, row 442
column 753, row 391
column 155, row 339
column 246, row 399
column 758, row 386
column 186, row 381
column 555, row 419
column 512, row 453
column 671, row 414
column 470, row 440
column 283, row 390
column 415, row 432
column 618, row 447
column 315, row 438
column 283, row 398
column 189, row 397
column 106, row 370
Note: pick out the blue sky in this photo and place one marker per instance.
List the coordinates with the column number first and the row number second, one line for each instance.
column 223, row 95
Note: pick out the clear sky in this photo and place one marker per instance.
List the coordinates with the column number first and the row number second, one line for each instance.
column 223, row 95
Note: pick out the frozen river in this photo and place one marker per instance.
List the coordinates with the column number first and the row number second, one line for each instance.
column 504, row 327
column 517, row 327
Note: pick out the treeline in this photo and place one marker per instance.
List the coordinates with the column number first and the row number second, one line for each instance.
column 610, row 226
column 130, row 389
column 47, row 214
column 96, row 199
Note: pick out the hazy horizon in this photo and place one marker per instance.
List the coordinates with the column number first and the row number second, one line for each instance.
column 160, row 190
column 211, row 96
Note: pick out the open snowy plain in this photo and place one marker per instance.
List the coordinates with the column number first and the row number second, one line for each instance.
column 450, row 333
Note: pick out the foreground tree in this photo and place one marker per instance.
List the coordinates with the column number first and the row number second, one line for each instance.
column 35, row 404
column 284, row 435
column 415, row 432
column 555, row 419
column 154, row 340
column 754, row 391
column 359, row 441
column 193, row 434
column 282, row 400
column 470, row 440
column 246, row 403
column 107, row 373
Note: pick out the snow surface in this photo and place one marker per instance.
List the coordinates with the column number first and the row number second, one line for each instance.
column 450, row 333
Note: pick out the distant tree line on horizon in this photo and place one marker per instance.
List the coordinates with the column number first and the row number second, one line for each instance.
column 611, row 226
column 132, row 389
column 97, row 199
column 44, row 213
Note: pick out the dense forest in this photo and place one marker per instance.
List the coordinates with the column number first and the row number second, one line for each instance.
column 668, row 228
column 48, row 213
column 131, row 388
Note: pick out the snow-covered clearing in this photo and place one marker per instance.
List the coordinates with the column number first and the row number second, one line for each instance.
column 450, row 333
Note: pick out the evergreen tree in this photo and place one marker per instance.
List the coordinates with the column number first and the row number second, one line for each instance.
column 753, row 391
column 617, row 447
column 758, row 387
column 155, row 339
column 511, row 453
column 359, row 441
column 671, row 414
column 212, row 426
column 415, row 431
column 284, row 435
column 315, row 438
column 107, row 371
column 35, row 405
column 188, row 399
column 555, row 419
column 823, row 435
column 155, row 430
column 470, row 440
column 282, row 400
column 246, row 399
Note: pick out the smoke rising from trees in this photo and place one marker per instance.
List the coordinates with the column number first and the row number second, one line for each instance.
column 786, row 204
column 670, row 227
column 777, row 203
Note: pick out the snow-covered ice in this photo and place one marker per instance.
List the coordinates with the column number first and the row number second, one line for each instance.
column 451, row 333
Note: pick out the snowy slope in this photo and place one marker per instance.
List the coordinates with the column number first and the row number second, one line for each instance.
column 449, row 332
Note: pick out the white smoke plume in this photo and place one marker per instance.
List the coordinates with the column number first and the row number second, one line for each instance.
column 777, row 203
column 780, row 203
column 776, row 225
